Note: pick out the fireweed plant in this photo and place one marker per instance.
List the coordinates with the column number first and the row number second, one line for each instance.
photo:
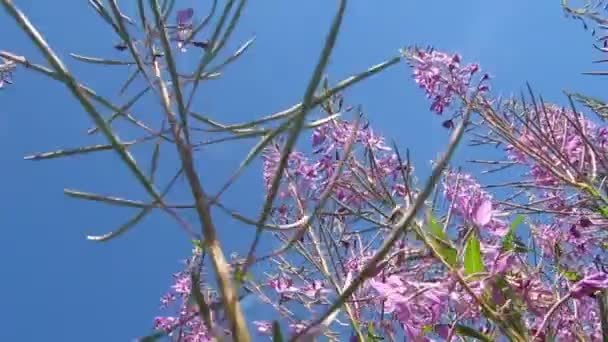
column 365, row 250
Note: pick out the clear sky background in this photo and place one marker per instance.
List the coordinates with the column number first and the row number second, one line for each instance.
column 58, row 286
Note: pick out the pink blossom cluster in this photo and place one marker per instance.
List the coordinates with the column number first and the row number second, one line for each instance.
column 442, row 76
column 525, row 273
column 307, row 177
column 185, row 322
column 560, row 140
column 471, row 203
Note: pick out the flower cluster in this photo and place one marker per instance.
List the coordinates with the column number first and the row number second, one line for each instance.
column 412, row 292
column 471, row 203
column 362, row 179
column 559, row 145
column 186, row 323
column 442, row 76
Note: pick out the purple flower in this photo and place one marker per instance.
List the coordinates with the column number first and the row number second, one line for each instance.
column 548, row 236
column 589, row 284
column 470, row 202
column 184, row 26
column 164, row 323
column 183, row 284
column 441, row 76
column 563, row 145
column 483, row 213
column 503, row 262
column 167, row 300
column 297, row 169
column 184, row 17
column 185, row 323
column 415, row 305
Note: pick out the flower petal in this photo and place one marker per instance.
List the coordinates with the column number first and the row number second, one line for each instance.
column 483, row 214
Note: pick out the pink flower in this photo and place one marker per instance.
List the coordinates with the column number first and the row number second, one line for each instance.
column 589, row 284
column 182, row 284
column 297, row 170
column 184, row 26
column 415, row 305
column 471, row 203
column 556, row 137
column 441, row 76
column 483, row 213
column 164, row 323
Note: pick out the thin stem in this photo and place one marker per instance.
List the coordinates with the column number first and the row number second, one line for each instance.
column 211, row 244
column 65, row 76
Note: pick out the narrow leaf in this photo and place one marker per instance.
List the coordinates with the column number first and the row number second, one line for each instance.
column 74, row 151
column 508, row 242
column 277, row 336
column 473, row 262
column 440, row 242
column 463, row 330
column 95, row 60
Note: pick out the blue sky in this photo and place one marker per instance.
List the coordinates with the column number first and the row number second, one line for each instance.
column 59, row 286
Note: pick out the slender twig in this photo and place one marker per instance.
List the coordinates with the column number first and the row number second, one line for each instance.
column 299, row 120
column 211, row 244
column 65, row 76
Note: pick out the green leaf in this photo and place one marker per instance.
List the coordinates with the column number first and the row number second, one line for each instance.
column 568, row 274
column 370, row 328
column 371, row 333
column 463, row 330
column 603, row 211
column 440, row 242
column 473, row 262
column 95, row 60
column 571, row 275
column 276, row 332
column 520, row 247
column 508, row 242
